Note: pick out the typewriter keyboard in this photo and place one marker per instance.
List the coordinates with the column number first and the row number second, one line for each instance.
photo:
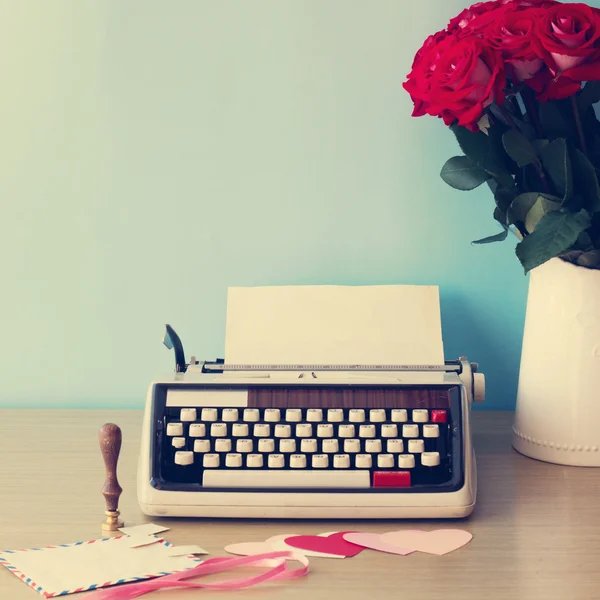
column 306, row 447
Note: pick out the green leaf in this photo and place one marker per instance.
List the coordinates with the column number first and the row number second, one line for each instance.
column 504, row 198
column 485, row 151
column 556, row 232
column 594, row 152
column 525, row 128
column 571, row 255
column 461, row 173
column 499, row 237
column 541, row 207
column 522, row 204
column 539, row 145
column 557, row 164
column 519, row 148
column 478, row 147
column 584, row 242
column 590, row 259
column 590, row 126
column 500, row 217
column 586, row 180
column 588, row 96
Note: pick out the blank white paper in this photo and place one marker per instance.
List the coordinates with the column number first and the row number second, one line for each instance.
column 388, row 324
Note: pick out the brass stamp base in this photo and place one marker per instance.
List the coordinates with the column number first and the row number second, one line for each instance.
column 112, row 522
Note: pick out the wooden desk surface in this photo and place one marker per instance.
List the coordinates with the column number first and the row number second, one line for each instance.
column 536, row 526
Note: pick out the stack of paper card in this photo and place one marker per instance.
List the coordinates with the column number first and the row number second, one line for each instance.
column 82, row 566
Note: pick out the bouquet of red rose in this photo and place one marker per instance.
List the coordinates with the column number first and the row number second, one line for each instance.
column 516, row 81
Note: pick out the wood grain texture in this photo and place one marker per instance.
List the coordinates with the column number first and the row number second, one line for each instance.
column 536, row 526
column 340, row 397
column 110, row 438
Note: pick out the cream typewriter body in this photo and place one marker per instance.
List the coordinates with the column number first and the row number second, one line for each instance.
column 309, row 441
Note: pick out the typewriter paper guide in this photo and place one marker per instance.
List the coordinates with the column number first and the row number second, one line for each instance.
column 358, row 325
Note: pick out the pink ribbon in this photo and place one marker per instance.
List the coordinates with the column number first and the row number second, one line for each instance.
column 210, row 566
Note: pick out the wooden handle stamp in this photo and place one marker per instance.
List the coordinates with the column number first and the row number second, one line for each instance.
column 110, row 438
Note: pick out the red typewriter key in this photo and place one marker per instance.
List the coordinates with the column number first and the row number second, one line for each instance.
column 391, row 479
column 439, row 416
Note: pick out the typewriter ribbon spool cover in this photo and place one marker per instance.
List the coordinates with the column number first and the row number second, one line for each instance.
column 379, row 429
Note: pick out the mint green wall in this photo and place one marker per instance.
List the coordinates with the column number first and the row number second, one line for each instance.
column 154, row 152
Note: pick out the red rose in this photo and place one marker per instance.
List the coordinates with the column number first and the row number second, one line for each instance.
column 429, row 43
column 462, row 20
column 423, row 68
column 568, row 39
column 513, row 34
column 488, row 14
column 530, row 3
column 456, row 79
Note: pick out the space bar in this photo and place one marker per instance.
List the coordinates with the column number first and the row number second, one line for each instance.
column 250, row 478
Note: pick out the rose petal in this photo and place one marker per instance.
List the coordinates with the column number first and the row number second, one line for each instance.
column 558, row 90
column 587, row 72
column 480, row 75
column 448, row 118
column 564, row 62
column 526, row 69
column 471, row 116
column 571, row 39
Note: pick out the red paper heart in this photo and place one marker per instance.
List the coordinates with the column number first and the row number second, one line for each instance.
column 331, row 544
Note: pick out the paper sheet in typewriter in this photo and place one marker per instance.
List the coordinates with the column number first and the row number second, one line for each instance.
column 388, row 324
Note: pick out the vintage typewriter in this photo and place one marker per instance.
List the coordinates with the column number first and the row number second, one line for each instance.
column 309, row 440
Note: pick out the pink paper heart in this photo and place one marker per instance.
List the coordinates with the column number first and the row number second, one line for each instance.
column 274, row 543
column 331, row 544
column 373, row 541
column 279, row 542
column 438, row 541
column 252, row 548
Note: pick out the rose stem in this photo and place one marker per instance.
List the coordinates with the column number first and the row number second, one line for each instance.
column 578, row 125
column 530, row 109
column 514, row 104
column 506, row 114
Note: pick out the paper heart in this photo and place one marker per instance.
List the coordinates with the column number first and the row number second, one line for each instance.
column 438, row 541
column 333, row 544
column 373, row 541
column 252, row 548
column 248, row 548
column 274, row 543
column 279, row 542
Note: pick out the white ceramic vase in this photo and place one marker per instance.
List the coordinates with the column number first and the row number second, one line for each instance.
column 557, row 415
